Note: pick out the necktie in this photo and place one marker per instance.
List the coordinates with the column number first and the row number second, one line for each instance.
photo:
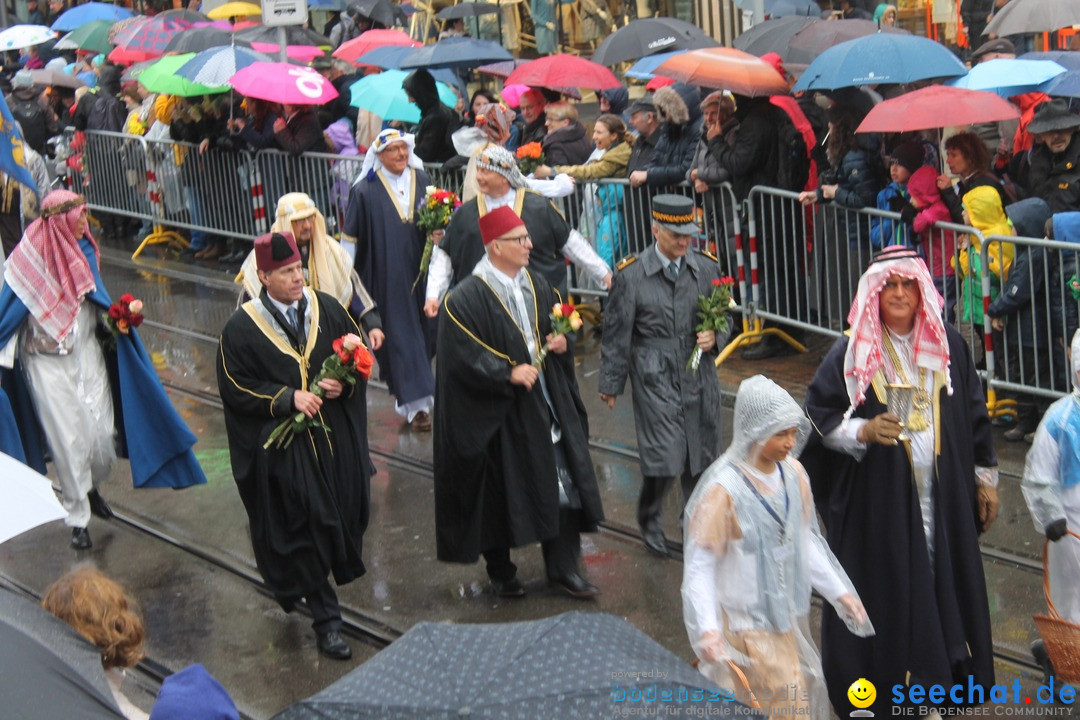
column 673, row 270
column 294, row 319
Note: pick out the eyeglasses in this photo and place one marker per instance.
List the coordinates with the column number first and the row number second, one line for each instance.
column 522, row 240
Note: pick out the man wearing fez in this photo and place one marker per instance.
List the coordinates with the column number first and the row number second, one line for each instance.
column 307, row 503
column 512, row 463
column 903, row 499
column 502, row 184
column 381, row 218
column 649, row 335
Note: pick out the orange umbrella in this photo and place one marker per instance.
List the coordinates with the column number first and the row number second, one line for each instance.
column 725, row 68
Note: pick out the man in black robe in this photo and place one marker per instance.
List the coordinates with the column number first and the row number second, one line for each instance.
column 512, row 463
column 903, row 504
column 307, row 503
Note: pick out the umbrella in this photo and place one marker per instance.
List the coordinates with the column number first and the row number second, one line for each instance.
column 1019, row 17
column 387, row 57
column 785, row 8
column 294, row 35
column 725, row 68
column 186, row 15
column 149, row 37
column 937, row 106
column 772, row 35
column 818, row 37
column 199, row 39
column 92, row 36
column 326, row 4
column 55, row 78
column 1007, row 76
column 283, row 83
column 383, row 95
column 1065, row 85
column 162, row 77
column 82, row 14
column 645, row 68
column 564, row 70
column 502, row 69
column 48, row 669
column 351, row 50
column 234, row 9
column 136, row 70
column 1068, row 59
column 456, row 52
column 303, row 53
column 29, row 499
column 466, row 10
column 380, row 11
column 880, row 58
column 120, row 25
column 556, row 667
column 216, row 65
column 639, row 38
column 17, row 37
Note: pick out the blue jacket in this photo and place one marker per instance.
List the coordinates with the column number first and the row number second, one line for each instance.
column 158, row 442
column 886, row 231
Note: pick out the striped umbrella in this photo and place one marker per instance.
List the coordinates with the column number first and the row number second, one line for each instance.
column 149, row 37
column 216, row 65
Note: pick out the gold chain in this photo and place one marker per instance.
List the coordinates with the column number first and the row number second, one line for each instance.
column 919, row 417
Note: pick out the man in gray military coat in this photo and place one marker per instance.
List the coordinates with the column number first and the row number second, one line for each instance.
column 649, row 335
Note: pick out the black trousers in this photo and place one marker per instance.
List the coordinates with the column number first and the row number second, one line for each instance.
column 325, row 610
column 651, row 499
column 561, row 553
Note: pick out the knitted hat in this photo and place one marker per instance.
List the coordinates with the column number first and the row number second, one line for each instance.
column 193, row 693
column 910, row 155
column 275, row 250
column 498, row 222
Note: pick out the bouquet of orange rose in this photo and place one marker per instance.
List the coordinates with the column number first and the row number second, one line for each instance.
column 349, row 361
column 433, row 214
column 714, row 313
column 564, row 318
column 530, row 156
column 124, row 314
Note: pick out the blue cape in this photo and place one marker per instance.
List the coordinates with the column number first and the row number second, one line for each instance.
column 158, row 442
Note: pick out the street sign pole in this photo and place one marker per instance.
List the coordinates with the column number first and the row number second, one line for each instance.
column 281, row 14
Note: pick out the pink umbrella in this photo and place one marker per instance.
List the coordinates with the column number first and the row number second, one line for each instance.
column 283, row 83
column 304, row 53
column 554, row 71
column 370, row 40
column 937, row 106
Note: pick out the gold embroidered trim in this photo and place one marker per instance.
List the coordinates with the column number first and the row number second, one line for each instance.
column 664, row 217
column 493, row 351
column 240, row 387
column 407, row 215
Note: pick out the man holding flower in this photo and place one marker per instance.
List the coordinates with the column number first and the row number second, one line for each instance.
column 512, row 463
column 306, row 497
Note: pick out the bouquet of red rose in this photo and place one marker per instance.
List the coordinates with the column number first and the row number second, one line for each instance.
column 124, row 314
column 433, row 214
column 564, row 318
column 349, row 361
column 530, row 156
column 714, row 313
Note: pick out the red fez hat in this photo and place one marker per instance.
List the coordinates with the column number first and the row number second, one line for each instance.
column 275, row 250
column 498, row 222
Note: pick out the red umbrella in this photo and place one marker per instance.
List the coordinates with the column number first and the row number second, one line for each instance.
column 726, row 68
column 937, row 106
column 555, row 71
column 370, row 40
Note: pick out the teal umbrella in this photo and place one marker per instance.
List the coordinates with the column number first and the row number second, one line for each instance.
column 94, row 35
column 161, row 77
column 383, row 95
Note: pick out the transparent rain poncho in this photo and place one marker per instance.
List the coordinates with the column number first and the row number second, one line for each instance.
column 752, row 554
column 1051, row 488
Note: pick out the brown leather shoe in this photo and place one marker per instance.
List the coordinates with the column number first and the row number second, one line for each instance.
column 213, row 252
column 421, row 422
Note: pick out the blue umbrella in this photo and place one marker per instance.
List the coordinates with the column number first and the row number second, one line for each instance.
column 1066, row 84
column 881, row 58
column 387, row 57
column 82, row 14
column 788, row 8
column 1009, row 76
column 326, row 4
column 1068, row 59
column 383, row 95
column 216, row 65
column 456, row 52
column 645, row 68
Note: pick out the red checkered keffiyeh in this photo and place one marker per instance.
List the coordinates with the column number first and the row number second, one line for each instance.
column 47, row 269
column 863, row 357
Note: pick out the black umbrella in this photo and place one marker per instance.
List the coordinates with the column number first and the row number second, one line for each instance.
column 199, row 39
column 189, row 15
column 380, row 11
column 466, row 10
column 816, row 38
column 578, row 664
column 47, row 669
column 651, row 35
column 456, row 52
column 772, row 35
column 294, row 35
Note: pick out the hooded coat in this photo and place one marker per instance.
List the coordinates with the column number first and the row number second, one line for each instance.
column 568, row 145
column 938, row 247
column 678, row 135
column 437, row 122
column 988, row 217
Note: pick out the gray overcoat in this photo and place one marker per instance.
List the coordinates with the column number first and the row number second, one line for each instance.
column 649, row 335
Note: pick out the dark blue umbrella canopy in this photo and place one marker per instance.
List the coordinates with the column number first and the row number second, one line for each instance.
column 456, row 52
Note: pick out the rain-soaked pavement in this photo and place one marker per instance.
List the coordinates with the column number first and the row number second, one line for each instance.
column 201, row 604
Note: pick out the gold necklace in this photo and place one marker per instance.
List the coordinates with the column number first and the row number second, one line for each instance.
column 919, row 417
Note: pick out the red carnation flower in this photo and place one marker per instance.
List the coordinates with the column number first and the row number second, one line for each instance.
column 126, row 298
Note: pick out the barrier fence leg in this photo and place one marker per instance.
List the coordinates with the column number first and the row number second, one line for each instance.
column 995, row 408
column 160, row 235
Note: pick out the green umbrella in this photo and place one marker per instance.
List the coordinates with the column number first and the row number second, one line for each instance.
column 161, row 77
column 93, row 35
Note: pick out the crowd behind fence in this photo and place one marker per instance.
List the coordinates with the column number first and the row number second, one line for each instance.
column 797, row 268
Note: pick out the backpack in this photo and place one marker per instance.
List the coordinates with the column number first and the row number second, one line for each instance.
column 32, row 119
column 793, row 158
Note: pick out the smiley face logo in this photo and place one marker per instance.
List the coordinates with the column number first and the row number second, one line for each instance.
column 862, row 693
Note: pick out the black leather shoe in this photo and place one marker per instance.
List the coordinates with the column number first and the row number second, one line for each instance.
column 765, row 348
column 98, row 506
column 80, row 538
column 333, row 646
column 655, row 542
column 511, row 588
column 575, row 586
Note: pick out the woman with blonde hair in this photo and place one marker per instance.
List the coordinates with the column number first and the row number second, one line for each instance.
column 102, row 612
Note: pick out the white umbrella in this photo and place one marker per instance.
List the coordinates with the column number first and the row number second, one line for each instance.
column 17, row 37
column 29, row 499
